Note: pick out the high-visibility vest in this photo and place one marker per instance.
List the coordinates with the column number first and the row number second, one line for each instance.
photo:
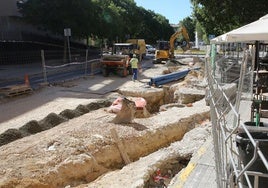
column 134, row 63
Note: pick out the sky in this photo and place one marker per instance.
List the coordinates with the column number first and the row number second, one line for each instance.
column 173, row 10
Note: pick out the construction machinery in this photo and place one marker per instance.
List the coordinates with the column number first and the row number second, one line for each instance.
column 118, row 61
column 139, row 47
column 165, row 49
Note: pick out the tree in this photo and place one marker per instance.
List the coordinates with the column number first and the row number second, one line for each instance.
column 189, row 24
column 218, row 17
column 56, row 15
column 115, row 20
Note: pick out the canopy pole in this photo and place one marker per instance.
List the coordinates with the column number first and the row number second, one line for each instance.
column 257, row 46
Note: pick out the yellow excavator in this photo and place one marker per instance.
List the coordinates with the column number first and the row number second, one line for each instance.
column 165, row 49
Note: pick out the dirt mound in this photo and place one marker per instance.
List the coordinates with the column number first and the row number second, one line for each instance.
column 31, row 127
column 9, row 136
column 50, row 121
column 70, row 114
column 97, row 105
column 82, row 109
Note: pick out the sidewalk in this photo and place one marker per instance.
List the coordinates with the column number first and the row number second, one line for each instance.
column 14, row 72
column 200, row 171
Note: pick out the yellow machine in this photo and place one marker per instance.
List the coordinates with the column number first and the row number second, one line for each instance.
column 165, row 49
column 162, row 51
column 140, row 49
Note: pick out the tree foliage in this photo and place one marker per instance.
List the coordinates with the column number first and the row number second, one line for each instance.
column 115, row 20
column 189, row 24
column 220, row 16
column 57, row 15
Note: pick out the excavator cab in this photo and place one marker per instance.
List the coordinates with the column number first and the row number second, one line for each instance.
column 162, row 51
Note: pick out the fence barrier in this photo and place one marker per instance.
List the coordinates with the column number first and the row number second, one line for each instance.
column 240, row 155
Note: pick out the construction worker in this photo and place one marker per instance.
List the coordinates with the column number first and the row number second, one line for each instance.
column 134, row 65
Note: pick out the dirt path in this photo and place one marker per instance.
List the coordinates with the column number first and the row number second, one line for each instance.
column 81, row 149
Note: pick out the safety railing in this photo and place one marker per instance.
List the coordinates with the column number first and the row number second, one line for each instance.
column 52, row 65
column 239, row 154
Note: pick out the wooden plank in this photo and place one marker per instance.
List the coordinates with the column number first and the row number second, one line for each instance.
column 15, row 90
column 120, row 146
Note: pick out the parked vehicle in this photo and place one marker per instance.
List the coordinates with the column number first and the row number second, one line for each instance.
column 118, row 61
column 150, row 49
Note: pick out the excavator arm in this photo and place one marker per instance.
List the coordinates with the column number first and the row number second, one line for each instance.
column 173, row 37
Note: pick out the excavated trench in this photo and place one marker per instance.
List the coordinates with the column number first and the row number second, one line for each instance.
column 166, row 171
column 53, row 119
column 98, row 154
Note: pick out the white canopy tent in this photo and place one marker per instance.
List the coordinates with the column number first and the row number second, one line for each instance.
column 255, row 31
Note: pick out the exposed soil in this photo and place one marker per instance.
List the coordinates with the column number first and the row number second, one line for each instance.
column 62, row 136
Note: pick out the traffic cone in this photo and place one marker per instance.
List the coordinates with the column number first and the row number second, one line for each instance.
column 26, row 80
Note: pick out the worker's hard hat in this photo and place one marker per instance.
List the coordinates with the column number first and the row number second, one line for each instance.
column 134, row 55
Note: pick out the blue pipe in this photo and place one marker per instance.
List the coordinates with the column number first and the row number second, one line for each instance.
column 170, row 77
column 161, row 82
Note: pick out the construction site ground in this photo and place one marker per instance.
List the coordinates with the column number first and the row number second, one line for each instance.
column 62, row 135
